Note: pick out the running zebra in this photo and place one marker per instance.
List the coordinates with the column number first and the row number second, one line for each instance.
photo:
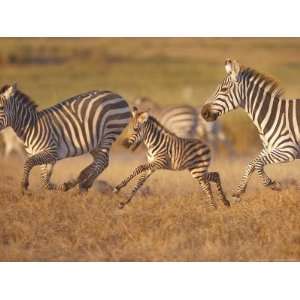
column 169, row 152
column 89, row 122
column 276, row 118
column 187, row 122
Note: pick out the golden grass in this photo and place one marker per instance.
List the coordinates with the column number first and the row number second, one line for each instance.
column 173, row 223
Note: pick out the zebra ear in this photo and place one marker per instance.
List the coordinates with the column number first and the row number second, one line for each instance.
column 144, row 117
column 134, row 111
column 232, row 68
column 10, row 91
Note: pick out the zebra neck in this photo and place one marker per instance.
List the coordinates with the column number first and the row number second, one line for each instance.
column 154, row 133
column 262, row 108
column 24, row 123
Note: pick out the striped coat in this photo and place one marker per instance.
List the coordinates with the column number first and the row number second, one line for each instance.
column 276, row 118
column 169, row 152
column 89, row 122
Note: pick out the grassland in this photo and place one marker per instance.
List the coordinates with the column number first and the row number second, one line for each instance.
column 172, row 222
column 170, row 70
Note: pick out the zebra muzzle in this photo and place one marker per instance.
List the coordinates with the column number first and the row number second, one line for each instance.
column 207, row 114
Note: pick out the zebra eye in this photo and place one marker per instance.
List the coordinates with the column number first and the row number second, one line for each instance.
column 224, row 89
column 1, row 107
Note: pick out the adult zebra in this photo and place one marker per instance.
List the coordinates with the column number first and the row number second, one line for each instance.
column 276, row 118
column 89, row 122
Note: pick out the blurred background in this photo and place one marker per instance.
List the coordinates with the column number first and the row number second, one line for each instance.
column 171, row 71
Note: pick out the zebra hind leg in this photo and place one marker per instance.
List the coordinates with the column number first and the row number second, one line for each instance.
column 199, row 173
column 89, row 175
column 215, row 177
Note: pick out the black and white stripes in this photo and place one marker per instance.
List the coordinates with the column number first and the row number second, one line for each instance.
column 167, row 151
column 89, row 122
column 276, row 118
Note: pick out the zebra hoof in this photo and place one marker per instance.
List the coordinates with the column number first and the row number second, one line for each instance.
column 121, row 205
column 24, row 187
column 236, row 196
column 275, row 186
column 226, row 203
column 116, row 190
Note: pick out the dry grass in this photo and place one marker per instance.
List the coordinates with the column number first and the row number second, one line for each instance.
column 174, row 223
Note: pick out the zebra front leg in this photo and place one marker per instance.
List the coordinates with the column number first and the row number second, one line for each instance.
column 144, row 176
column 41, row 158
column 215, row 177
column 46, row 172
column 241, row 189
column 136, row 172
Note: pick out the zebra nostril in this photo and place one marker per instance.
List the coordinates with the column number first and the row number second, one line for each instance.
column 126, row 143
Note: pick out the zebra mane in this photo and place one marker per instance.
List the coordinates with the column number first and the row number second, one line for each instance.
column 271, row 83
column 25, row 100
column 158, row 124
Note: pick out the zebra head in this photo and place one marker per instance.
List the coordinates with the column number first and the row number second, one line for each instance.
column 227, row 96
column 136, row 129
column 6, row 93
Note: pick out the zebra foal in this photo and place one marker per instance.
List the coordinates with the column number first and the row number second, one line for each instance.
column 169, row 152
column 89, row 122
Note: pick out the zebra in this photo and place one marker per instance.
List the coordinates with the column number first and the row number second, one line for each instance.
column 89, row 122
column 169, row 152
column 181, row 120
column 277, row 119
column 186, row 121
column 12, row 143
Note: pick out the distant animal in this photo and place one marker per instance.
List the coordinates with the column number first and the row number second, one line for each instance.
column 187, row 122
column 12, row 143
column 89, row 122
column 276, row 118
column 169, row 152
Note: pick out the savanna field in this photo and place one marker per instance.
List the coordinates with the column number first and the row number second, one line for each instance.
column 170, row 220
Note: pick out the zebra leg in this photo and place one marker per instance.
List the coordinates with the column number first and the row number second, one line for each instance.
column 206, row 188
column 241, row 189
column 200, row 174
column 137, row 171
column 215, row 177
column 275, row 156
column 46, row 173
column 41, row 158
column 144, row 176
column 89, row 175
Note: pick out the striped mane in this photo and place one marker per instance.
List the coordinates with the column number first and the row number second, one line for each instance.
column 158, row 124
column 22, row 98
column 25, row 100
column 265, row 81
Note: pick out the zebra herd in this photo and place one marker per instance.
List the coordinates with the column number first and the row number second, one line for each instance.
column 92, row 121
